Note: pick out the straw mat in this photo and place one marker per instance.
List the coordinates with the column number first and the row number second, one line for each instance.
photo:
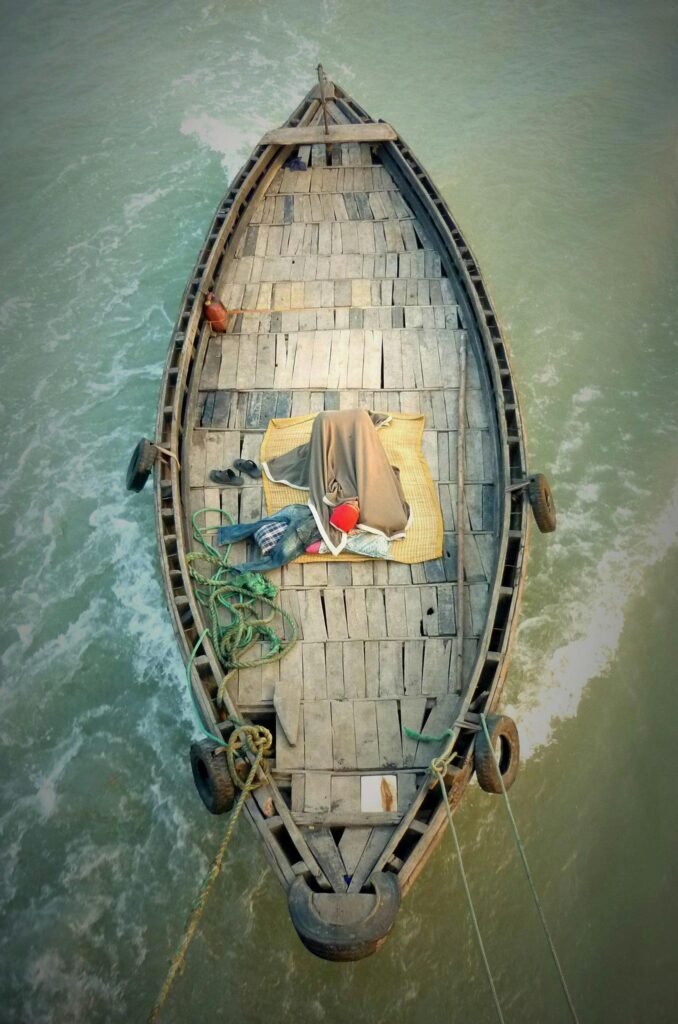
column 402, row 442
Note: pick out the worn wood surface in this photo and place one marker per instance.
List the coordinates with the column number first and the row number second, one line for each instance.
column 335, row 133
column 340, row 302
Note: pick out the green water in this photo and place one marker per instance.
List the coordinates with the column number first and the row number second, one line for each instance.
column 551, row 129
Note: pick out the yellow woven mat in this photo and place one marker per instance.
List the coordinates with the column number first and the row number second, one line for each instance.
column 402, row 442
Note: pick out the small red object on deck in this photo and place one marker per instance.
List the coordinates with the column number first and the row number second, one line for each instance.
column 216, row 313
column 345, row 516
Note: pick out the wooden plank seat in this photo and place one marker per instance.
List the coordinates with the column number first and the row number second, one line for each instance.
column 335, row 133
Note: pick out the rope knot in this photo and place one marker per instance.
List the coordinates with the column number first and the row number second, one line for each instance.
column 259, row 740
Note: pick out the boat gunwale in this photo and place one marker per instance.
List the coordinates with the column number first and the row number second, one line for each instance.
column 232, row 212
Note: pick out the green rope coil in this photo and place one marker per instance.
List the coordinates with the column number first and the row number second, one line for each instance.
column 247, row 598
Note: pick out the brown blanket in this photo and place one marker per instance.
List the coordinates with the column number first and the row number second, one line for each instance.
column 345, row 460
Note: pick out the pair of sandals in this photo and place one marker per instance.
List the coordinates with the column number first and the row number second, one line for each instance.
column 227, row 478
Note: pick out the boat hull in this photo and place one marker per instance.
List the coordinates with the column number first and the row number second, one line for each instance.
column 298, row 839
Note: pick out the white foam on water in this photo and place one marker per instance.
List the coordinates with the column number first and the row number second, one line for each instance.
column 221, row 137
column 136, row 203
column 594, row 615
column 51, row 977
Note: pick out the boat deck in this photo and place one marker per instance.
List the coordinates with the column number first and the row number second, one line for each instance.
column 352, row 311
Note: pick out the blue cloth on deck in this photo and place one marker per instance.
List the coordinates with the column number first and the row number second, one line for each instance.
column 300, row 531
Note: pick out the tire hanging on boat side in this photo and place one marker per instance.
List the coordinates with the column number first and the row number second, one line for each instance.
column 504, row 739
column 543, row 506
column 212, row 778
column 140, row 465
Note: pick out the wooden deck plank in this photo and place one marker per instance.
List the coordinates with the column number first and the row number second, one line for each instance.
column 372, row 668
column 354, row 370
column 442, row 717
column 314, row 670
column 389, row 734
column 366, row 742
column 317, row 734
column 318, row 792
column 372, row 360
column 345, row 795
column 396, row 618
column 390, row 668
column 413, row 666
column 310, row 609
column 376, row 613
column 288, row 757
column 354, row 668
column 335, row 614
column 343, row 734
column 356, row 612
column 334, row 669
column 436, row 673
column 412, row 711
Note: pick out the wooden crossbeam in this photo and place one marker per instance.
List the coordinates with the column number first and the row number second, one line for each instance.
column 308, row 136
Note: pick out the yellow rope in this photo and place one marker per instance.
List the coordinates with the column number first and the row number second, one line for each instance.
column 259, row 740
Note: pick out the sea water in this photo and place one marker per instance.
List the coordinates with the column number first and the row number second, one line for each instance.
column 551, row 130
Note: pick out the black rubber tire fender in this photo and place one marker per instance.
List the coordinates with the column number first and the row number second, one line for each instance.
column 212, row 778
column 140, row 465
column 543, row 506
column 351, row 941
column 504, row 738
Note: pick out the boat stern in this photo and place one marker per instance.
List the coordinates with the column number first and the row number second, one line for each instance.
column 344, row 926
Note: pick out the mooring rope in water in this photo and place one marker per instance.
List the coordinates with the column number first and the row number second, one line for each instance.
column 438, row 767
column 237, row 593
column 230, row 640
column 259, row 741
column 528, row 873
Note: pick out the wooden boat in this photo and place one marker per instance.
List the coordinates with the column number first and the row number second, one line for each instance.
column 360, row 250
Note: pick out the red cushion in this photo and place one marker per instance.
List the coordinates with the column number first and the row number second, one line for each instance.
column 345, row 517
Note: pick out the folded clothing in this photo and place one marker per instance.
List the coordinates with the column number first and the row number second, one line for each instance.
column 369, row 545
column 268, row 535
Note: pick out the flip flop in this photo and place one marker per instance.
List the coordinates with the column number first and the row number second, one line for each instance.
column 226, row 478
column 247, row 466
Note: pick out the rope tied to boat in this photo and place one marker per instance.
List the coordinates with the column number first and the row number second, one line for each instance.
column 237, row 593
column 244, row 596
column 438, row 767
column 166, row 453
column 259, row 741
column 528, row 873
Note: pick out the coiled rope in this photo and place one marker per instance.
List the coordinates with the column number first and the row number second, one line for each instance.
column 239, row 594
column 439, row 766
